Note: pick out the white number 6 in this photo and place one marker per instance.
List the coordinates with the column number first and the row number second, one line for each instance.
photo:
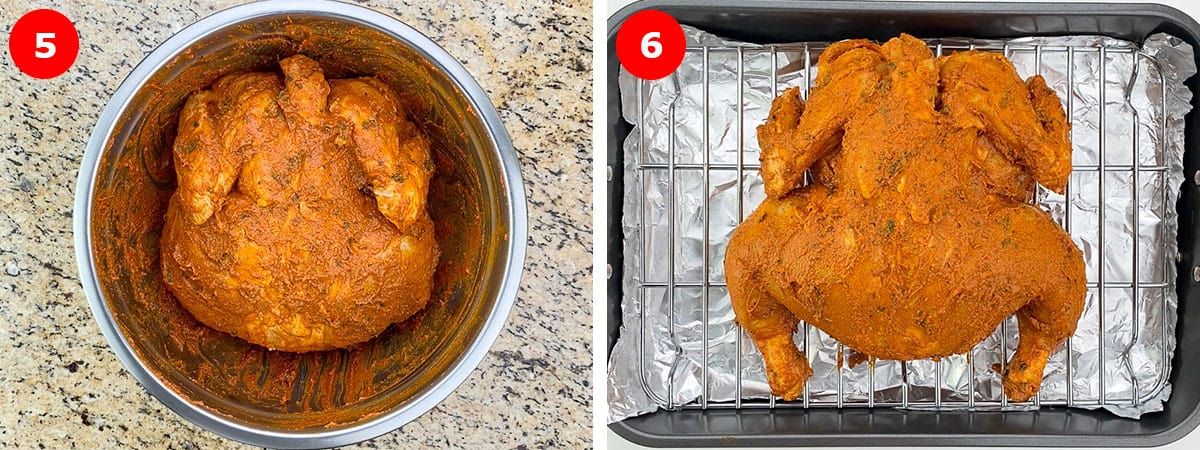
column 44, row 48
column 651, row 48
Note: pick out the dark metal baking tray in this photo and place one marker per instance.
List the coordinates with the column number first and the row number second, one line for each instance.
column 773, row 22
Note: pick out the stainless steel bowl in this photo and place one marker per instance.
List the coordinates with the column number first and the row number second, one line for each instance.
column 279, row 399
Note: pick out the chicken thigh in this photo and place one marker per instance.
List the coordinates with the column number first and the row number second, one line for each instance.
column 299, row 222
column 916, row 237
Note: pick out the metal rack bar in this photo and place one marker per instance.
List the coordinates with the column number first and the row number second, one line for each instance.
column 675, row 168
column 1003, row 323
column 948, row 405
column 671, row 221
column 1110, row 168
column 775, row 93
column 1037, row 64
column 704, row 212
column 841, row 395
column 1090, row 285
column 807, row 350
column 1137, row 212
column 871, row 382
column 937, row 365
column 985, row 47
column 741, row 112
column 1100, row 221
column 972, row 383
column 1067, row 221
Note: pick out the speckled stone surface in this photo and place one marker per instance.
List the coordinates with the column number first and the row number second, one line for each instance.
column 62, row 387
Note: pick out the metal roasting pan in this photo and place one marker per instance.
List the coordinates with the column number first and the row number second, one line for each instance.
column 1055, row 426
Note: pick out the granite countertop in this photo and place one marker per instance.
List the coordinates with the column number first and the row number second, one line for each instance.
column 60, row 384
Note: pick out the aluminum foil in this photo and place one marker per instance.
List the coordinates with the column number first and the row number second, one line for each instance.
column 662, row 359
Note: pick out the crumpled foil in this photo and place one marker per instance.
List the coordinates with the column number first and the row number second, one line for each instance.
column 662, row 358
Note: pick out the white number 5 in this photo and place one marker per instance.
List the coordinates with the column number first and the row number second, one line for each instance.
column 44, row 48
column 651, row 48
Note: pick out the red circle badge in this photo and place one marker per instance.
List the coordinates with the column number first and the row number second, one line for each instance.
column 650, row 44
column 43, row 43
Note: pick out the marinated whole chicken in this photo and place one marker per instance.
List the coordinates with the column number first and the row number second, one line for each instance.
column 915, row 237
column 300, row 221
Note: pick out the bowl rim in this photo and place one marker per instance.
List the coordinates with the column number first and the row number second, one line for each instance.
column 516, row 215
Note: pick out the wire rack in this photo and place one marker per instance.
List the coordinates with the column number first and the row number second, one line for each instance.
column 745, row 169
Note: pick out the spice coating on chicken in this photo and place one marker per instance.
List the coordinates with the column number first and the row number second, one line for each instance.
column 299, row 222
column 915, row 238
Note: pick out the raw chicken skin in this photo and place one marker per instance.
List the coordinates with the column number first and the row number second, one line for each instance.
column 299, row 223
column 915, row 238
